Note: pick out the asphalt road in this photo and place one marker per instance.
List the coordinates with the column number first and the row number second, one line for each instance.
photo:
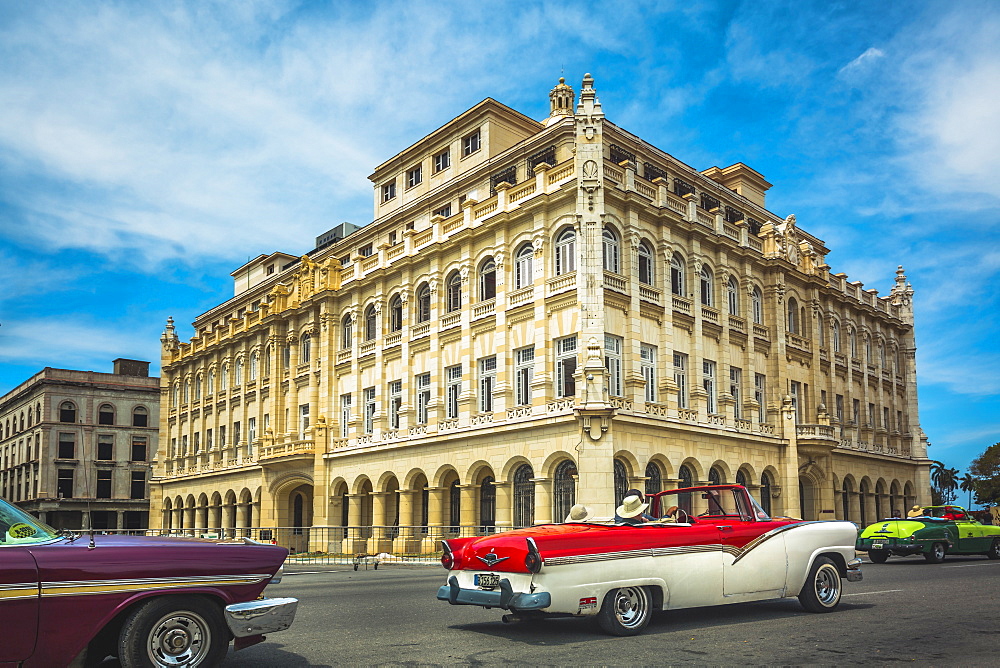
column 903, row 611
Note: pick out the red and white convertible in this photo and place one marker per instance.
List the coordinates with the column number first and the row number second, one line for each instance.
column 711, row 545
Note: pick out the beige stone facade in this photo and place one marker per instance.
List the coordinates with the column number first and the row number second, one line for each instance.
column 76, row 446
column 540, row 313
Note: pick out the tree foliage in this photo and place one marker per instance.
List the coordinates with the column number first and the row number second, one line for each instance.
column 945, row 480
column 986, row 470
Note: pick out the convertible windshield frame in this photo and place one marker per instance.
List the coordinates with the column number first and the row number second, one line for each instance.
column 18, row 528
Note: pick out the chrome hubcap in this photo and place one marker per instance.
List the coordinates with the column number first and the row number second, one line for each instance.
column 179, row 639
column 630, row 606
column 827, row 585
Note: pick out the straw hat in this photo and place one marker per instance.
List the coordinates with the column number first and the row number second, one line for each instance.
column 915, row 511
column 579, row 513
column 631, row 506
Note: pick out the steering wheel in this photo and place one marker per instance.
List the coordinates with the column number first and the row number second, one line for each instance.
column 678, row 513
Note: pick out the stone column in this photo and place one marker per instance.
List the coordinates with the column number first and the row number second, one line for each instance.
column 543, row 500
column 435, row 520
column 469, row 510
column 505, row 505
column 405, row 540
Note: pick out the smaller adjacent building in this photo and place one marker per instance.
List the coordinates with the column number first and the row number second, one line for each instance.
column 78, row 444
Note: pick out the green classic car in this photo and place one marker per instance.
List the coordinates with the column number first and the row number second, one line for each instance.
column 932, row 531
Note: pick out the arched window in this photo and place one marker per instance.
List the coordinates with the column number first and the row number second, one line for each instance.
column 563, row 489
column 741, row 477
column 454, row 505
column 487, row 504
column 677, row 275
column 684, row 479
column 211, row 381
column 881, row 355
column 67, row 411
column 845, row 498
column 30, row 416
column 454, row 292
column 835, row 335
column 423, row 303
column 714, row 476
column 105, row 415
column 346, row 332
column 612, row 251
column 238, row 375
column 757, row 305
column 175, row 395
column 487, row 280
column 22, row 420
column 223, row 379
column 140, row 417
column 646, row 274
column 733, row 296
column 395, row 314
column 621, row 481
column 305, row 349
column 852, row 337
column 371, row 323
column 706, row 285
column 524, row 496
column 566, row 252
column 522, row 267
column 254, row 364
column 654, row 478
column 38, row 406
column 197, row 387
column 793, row 315
column 765, row 492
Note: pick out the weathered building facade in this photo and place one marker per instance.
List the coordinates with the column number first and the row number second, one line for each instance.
column 77, row 446
column 540, row 313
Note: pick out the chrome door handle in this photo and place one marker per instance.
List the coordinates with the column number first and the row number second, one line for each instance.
column 725, row 528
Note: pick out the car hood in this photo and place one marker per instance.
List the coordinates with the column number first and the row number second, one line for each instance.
column 899, row 528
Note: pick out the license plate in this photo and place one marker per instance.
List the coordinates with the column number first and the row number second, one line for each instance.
column 880, row 545
column 487, row 580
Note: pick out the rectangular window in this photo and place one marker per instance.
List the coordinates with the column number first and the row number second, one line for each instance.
column 105, row 447
column 184, row 445
column 103, row 484
column 647, row 360
column 795, row 389
column 822, row 398
column 566, row 367
column 524, row 372
column 173, row 447
column 395, row 402
column 708, row 382
column 414, row 176
column 65, row 483
column 453, row 374
column 236, row 434
column 251, row 429
column 871, row 416
column 885, row 417
column 67, row 446
column 137, row 489
column 209, row 443
column 760, row 396
column 388, row 191
column 303, row 418
column 139, row 448
column 442, row 161
column 444, row 212
column 369, row 424
column 345, row 415
column 222, row 436
column 856, row 408
column 197, row 442
column 487, row 381
column 899, row 422
column 423, row 389
column 680, row 379
column 471, row 143
column 736, row 389
column 839, row 408
column 613, row 363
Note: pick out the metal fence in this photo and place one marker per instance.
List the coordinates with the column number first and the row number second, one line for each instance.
column 334, row 545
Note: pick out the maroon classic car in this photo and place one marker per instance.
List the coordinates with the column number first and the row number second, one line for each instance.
column 75, row 600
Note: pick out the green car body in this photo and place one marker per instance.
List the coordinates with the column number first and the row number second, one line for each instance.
column 939, row 531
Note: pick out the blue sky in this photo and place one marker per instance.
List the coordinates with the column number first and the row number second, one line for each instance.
column 148, row 149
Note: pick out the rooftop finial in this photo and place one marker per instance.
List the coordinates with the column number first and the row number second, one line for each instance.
column 561, row 101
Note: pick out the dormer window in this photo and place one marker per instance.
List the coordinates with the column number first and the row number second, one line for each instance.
column 388, row 191
column 442, row 161
column 270, row 269
column 414, row 176
column 471, row 143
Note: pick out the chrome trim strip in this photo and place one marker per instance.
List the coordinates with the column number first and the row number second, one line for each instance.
column 90, row 587
column 18, row 590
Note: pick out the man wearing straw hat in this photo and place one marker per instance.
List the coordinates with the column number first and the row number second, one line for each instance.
column 631, row 511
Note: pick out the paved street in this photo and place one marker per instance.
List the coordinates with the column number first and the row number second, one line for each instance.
column 904, row 610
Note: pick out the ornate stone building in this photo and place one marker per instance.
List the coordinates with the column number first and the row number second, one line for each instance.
column 540, row 313
column 78, row 445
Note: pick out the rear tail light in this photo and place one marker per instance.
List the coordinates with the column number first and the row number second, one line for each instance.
column 533, row 560
column 447, row 556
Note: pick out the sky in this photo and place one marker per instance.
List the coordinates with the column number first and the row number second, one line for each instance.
column 149, row 149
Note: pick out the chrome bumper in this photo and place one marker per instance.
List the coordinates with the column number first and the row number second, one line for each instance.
column 266, row 615
column 854, row 570
column 505, row 598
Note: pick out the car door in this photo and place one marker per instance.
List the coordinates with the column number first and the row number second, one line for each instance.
column 970, row 535
column 18, row 602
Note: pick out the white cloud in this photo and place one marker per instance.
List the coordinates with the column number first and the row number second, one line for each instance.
column 862, row 62
column 65, row 342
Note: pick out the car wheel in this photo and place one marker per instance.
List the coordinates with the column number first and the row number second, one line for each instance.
column 936, row 554
column 173, row 631
column 994, row 552
column 878, row 556
column 821, row 592
column 625, row 611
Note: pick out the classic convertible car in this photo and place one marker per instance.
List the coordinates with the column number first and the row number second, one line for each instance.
column 75, row 600
column 711, row 545
column 934, row 532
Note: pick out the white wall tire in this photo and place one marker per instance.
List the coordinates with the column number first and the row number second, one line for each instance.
column 173, row 631
column 822, row 590
column 625, row 611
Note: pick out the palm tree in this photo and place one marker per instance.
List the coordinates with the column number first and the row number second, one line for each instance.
column 944, row 479
column 968, row 484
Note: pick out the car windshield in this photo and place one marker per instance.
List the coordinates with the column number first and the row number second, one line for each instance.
column 713, row 502
column 19, row 528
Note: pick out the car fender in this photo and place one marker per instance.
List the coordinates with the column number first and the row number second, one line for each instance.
column 587, row 598
column 798, row 571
